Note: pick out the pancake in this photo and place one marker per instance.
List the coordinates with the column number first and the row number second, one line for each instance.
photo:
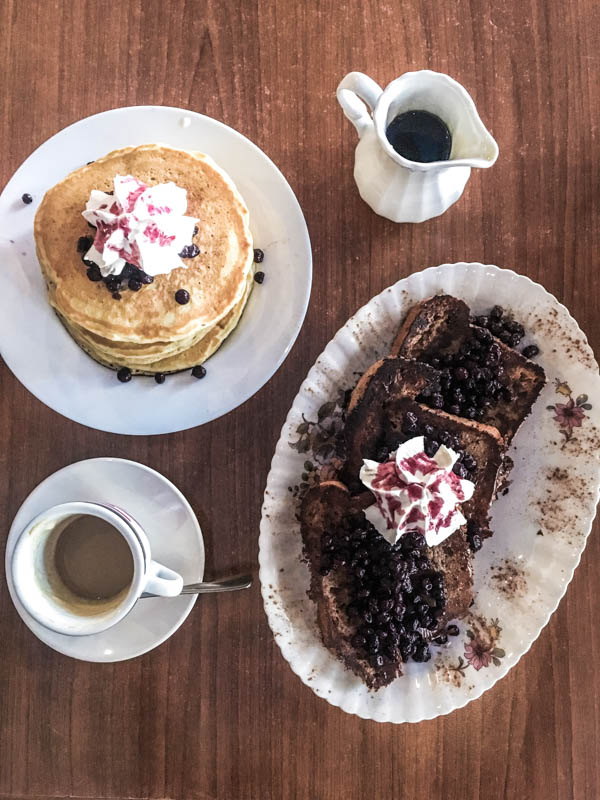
column 216, row 279
column 196, row 354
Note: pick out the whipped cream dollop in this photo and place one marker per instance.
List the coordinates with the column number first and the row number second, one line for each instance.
column 414, row 492
column 139, row 224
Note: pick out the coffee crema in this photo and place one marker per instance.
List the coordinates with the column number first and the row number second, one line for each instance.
column 92, row 559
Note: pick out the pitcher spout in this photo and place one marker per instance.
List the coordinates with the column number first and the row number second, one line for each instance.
column 472, row 144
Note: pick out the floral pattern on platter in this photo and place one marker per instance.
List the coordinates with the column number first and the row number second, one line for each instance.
column 480, row 650
column 571, row 414
column 319, row 439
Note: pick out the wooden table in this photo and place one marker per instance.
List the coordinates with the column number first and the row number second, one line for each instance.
column 216, row 712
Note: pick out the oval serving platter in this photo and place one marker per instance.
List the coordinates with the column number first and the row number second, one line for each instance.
column 540, row 526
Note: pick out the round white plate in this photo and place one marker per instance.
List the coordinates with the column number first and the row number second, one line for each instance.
column 540, row 526
column 175, row 539
column 47, row 361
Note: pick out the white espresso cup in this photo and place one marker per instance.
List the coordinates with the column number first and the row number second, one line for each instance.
column 51, row 603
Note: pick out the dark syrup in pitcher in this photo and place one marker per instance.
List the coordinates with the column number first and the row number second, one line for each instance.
column 420, row 136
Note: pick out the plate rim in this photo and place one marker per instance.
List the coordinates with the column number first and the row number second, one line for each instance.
column 49, row 634
column 294, row 330
column 265, row 522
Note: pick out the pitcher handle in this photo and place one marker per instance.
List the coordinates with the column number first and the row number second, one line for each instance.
column 354, row 92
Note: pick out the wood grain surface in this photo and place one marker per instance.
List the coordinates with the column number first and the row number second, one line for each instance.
column 216, row 712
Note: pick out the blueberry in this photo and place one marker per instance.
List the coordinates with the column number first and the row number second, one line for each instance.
column 113, row 284
column 475, row 542
column 199, row 371
column 182, row 296
column 259, row 277
column 515, row 340
column 482, row 321
column 84, row 243
column 512, row 326
column 382, row 455
column 422, row 653
column 27, row 198
column 94, row 273
column 190, row 251
column 469, row 462
column 145, row 278
column 410, row 423
column 436, row 400
column 482, row 335
column 531, row 351
column 497, row 312
column 406, row 651
column 460, row 470
column 159, row 377
column 129, row 270
column 259, row 256
column 442, row 638
column 124, row 374
column 430, row 448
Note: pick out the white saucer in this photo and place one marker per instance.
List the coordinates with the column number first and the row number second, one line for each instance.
column 175, row 538
column 47, row 361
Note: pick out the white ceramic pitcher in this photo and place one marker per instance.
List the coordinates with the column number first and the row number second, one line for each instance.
column 395, row 187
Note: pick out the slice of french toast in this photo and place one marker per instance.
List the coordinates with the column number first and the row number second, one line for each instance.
column 325, row 509
column 378, row 604
column 382, row 414
column 387, row 378
column 482, row 377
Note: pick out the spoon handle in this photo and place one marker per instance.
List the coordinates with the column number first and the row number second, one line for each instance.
column 224, row 585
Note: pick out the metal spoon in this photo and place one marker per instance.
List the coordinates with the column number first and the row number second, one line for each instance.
column 223, row 585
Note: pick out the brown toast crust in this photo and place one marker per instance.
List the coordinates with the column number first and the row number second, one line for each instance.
column 322, row 509
column 387, row 378
column 440, row 325
column 397, row 374
column 432, row 325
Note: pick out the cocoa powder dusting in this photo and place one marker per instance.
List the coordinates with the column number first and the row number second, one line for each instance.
column 508, row 577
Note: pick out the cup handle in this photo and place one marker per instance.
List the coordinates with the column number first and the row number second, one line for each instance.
column 354, row 92
column 163, row 581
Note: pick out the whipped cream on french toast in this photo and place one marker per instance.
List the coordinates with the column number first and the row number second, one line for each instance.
column 416, row 492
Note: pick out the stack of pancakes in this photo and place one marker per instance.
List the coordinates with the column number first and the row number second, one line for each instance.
column 148, row 331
